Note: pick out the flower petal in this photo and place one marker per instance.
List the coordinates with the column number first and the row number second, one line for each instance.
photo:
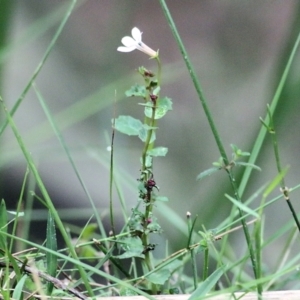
column 136, row 34
column 128, row 41
column 126, row 49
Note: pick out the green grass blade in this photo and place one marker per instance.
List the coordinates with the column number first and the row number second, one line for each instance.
column 19, row 206
column 19, row 288
column 51, row 243
column 263, row 131
column 195, row 80
column 242, row 206
column 65, row 148
column 208, row 284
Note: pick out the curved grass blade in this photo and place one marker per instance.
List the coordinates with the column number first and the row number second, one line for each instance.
column 208, row 284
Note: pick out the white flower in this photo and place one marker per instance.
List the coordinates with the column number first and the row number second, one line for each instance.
column 135, row 42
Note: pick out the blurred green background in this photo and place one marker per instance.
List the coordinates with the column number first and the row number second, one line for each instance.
column 239, row 50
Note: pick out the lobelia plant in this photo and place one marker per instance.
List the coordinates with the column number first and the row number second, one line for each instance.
column 142, row 222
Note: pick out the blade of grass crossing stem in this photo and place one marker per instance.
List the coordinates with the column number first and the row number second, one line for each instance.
column 51, row 259
column 208, row 284
column 284, row 189
column 45, row 195
column 263, row 131
column 191, row 226
column 14, row 264
column 42, row 62
column 111, row 175
column 18, row 291
column 16, row 221
column 65, row 148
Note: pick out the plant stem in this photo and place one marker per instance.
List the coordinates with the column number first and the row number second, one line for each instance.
column 148, row 175
column 284, row 189
column 192, row 251
column 213, row 129
column 205, row 265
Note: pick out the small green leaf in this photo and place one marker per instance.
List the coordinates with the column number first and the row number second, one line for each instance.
column 245, row 153
column 207, row 172
column 203, row 245
column 128, row 125
column 163, row 274
column 208, row 284
column 275, row 182
column 148, row 162
column 143, row 134
column 156, row 91
column 161, row 198
column 136, row 90
column 245, row 164
column 89, row 231
column 264, row 123
column 158, row 151
column 163, row 105
column 132, row 246
column 125, row 291
column 154, row 226
column 14, row 213
column 234, row 148
column 159, row 277
column 238, row 151
column 219, row 163
column 242, row 206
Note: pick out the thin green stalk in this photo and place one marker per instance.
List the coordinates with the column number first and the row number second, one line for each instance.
column 192, row 251
column 20, row 202
column 285, row 191
column 111, row 177
column 147, row 146
column 213, row 128
column 195, row 80
column 205, row 265
column 258, row 250
column 151, row 121
column 246, row 233
column 263, row 131
column 72, row 162
column 109, row 256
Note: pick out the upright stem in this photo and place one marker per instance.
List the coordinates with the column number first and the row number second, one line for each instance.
column 147, row 175
column 214, row 130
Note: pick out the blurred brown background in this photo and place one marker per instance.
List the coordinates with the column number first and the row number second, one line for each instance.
column 238, row 49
